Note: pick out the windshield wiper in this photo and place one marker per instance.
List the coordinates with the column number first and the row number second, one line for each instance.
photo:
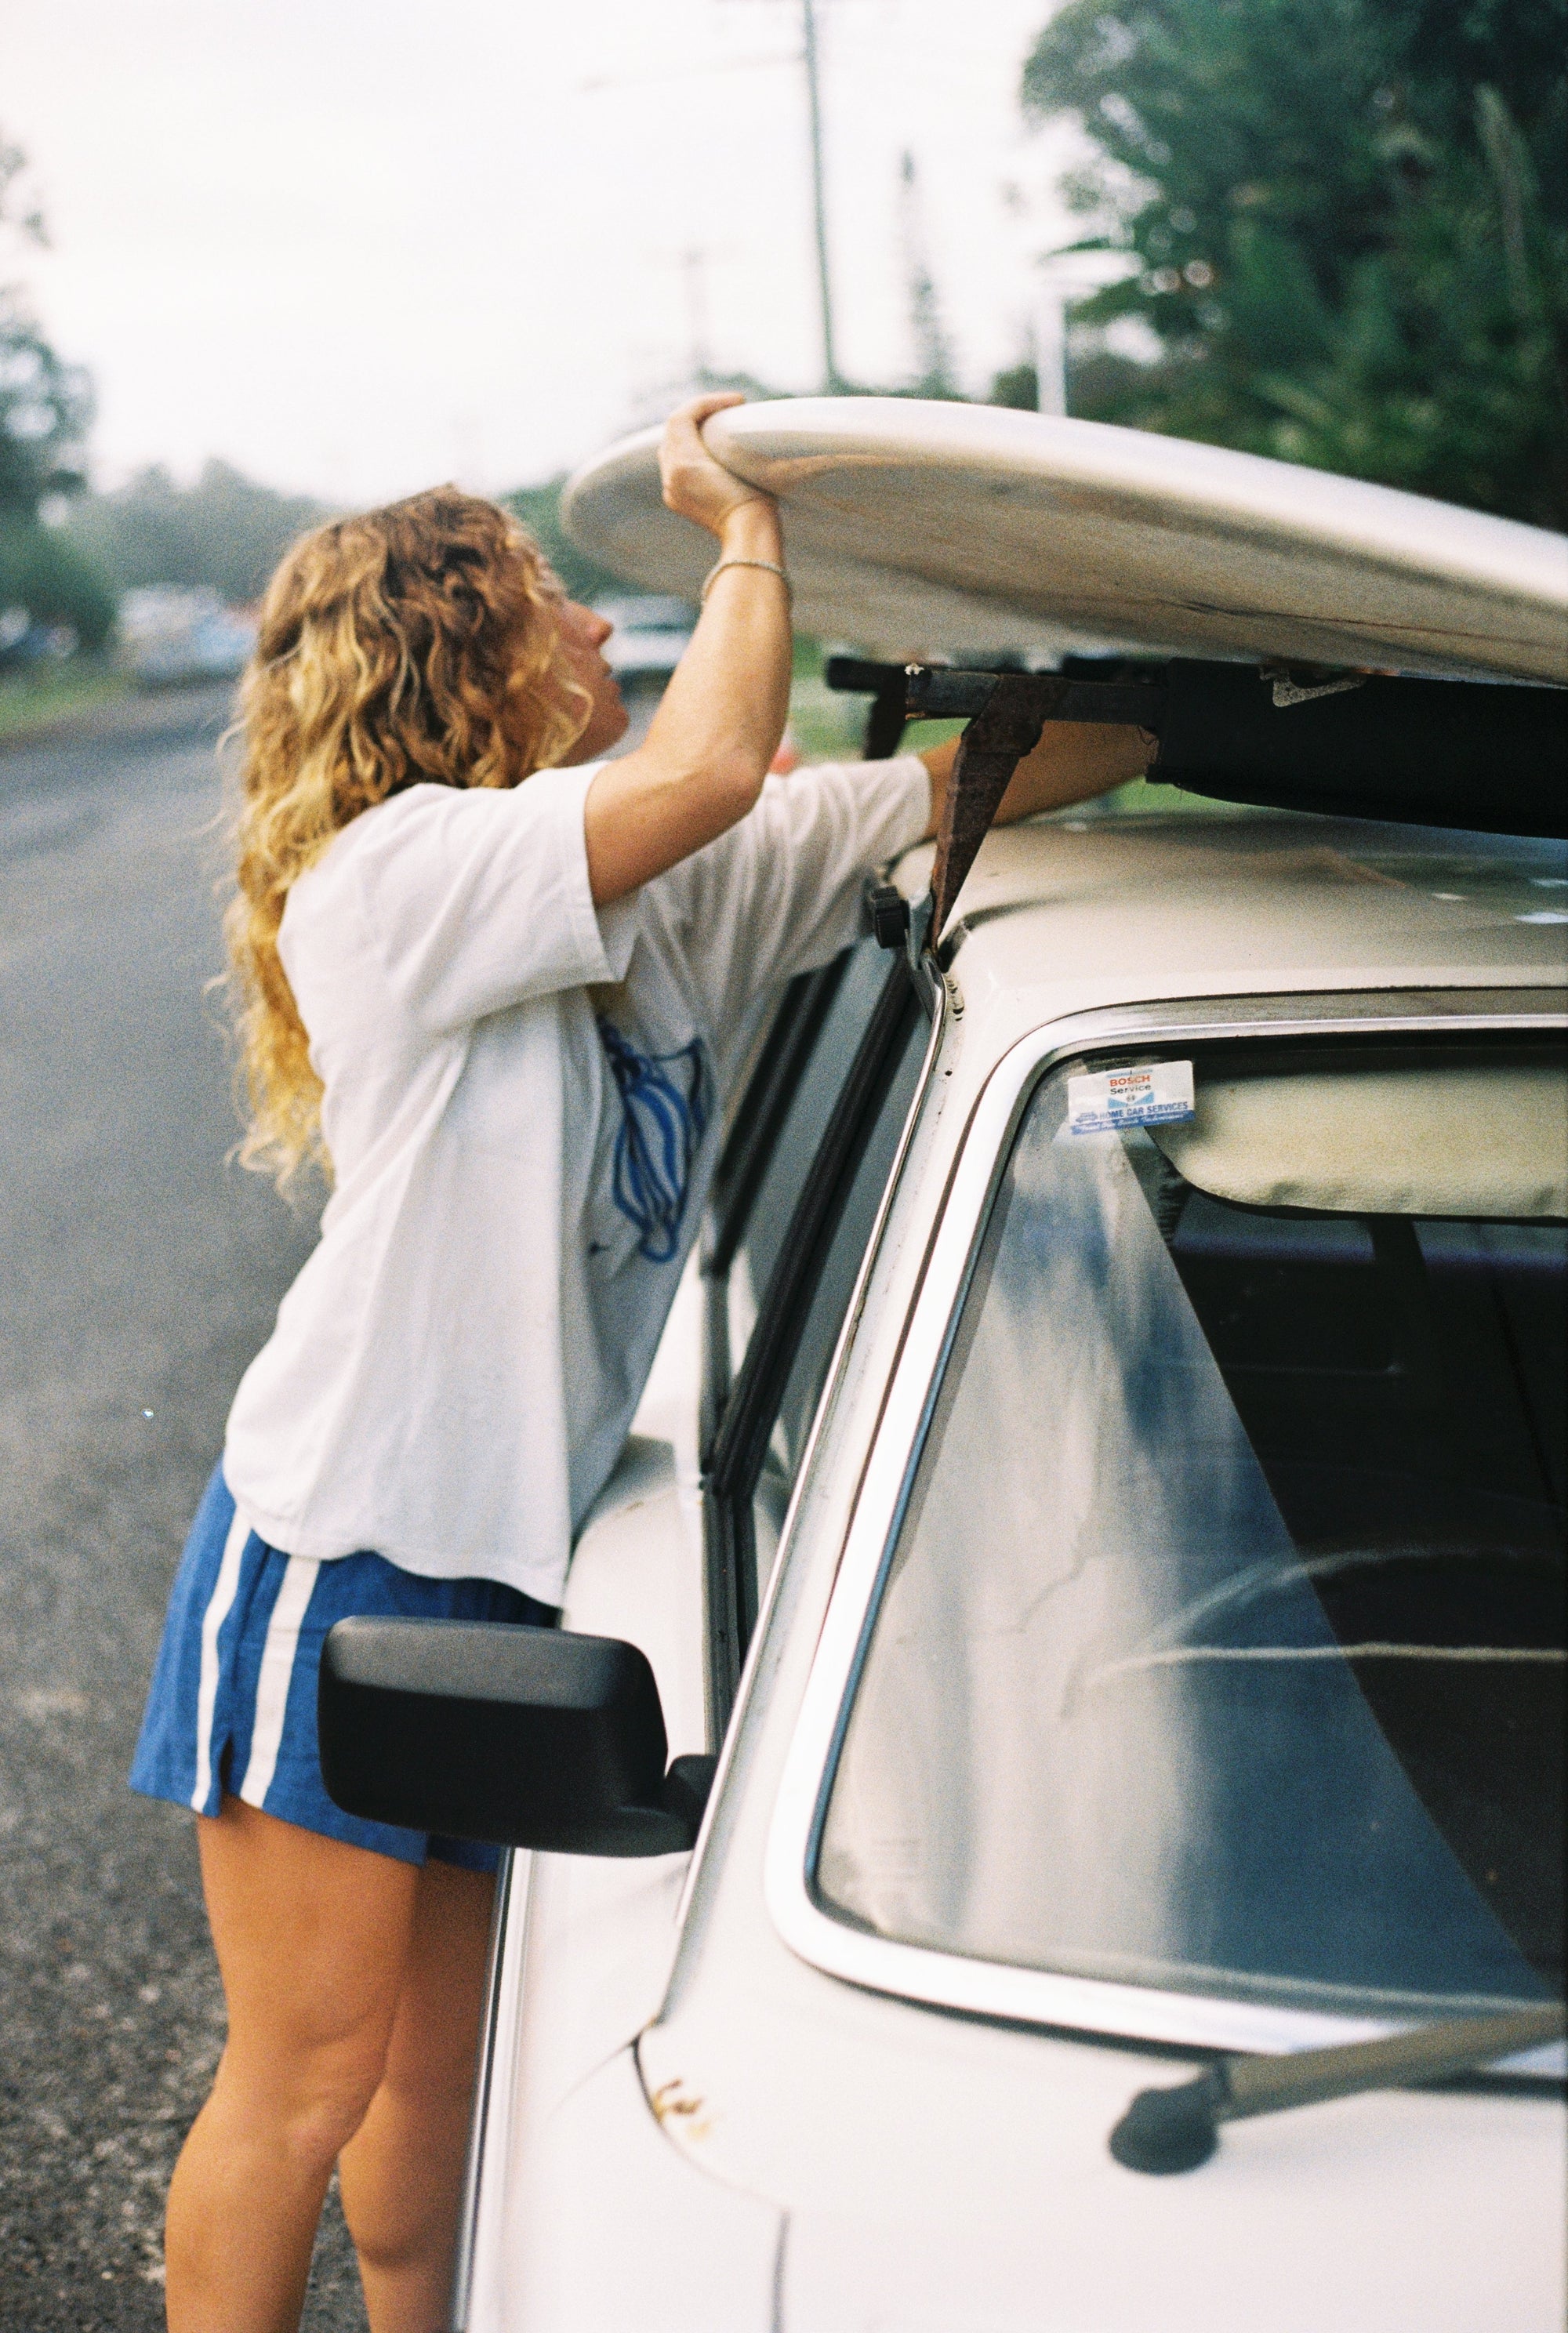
column 1177, row 2129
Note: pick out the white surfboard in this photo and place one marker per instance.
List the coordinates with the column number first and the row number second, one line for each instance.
column 917, row 530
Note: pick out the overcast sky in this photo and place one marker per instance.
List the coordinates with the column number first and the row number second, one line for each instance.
column 354, row 246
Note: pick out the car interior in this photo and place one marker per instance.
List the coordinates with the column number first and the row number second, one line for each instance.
column 1220, row 1646
column 1404, row 1383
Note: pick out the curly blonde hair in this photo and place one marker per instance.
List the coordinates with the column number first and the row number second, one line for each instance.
column 416, row 644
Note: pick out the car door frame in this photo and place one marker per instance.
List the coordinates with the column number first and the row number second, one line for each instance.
column 738, row 1411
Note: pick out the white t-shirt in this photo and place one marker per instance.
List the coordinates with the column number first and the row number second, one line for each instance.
column 518, row 1182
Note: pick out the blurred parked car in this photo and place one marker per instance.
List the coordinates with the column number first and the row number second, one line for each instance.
column 26, row 643
column 171, row 634
column 650, row 636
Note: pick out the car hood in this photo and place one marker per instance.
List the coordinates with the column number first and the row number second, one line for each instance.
column 941, row 2176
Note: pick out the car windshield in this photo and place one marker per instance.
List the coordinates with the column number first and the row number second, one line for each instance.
column 1220, row 1647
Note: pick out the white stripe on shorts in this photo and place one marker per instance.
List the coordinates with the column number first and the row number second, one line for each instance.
column 212, row 1620
column 277, row 1669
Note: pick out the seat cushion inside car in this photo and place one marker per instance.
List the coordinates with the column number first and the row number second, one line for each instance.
column 1487, row 1139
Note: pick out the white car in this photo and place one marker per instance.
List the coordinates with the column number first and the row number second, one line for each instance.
column 1100, row 1500
column 650, row 636
column 172, row 636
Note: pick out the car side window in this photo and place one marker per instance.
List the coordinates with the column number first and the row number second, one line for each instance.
column 827, row 1020
column 780, row 1272
column 830, row 1301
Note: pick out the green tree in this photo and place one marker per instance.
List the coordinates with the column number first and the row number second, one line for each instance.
column 1349, row 225
column 225, row 532
column 45, row 410
column 539, row 508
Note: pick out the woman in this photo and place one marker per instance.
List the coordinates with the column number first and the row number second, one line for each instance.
column 473, row 961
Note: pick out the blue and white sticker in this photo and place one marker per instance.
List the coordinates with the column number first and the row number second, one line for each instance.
column 1104, row 1101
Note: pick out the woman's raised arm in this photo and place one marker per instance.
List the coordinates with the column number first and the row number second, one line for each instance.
column 701, row 766
column 1074, row 762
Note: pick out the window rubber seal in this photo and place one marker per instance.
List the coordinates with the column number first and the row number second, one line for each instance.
column 732, row 1460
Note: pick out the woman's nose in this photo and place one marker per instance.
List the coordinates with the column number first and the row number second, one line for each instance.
column 588, row 624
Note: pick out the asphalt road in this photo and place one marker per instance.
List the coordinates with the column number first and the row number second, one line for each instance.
column 139, row 1273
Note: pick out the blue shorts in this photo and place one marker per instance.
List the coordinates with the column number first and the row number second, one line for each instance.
column 233, row 1704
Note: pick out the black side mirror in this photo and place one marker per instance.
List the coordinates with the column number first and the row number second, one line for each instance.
column 522, row 1737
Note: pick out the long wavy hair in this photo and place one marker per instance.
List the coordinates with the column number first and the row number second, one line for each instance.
column 416, row 644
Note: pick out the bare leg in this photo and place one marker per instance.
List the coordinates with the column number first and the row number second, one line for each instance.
column 312, row 1938
column 402, row 2172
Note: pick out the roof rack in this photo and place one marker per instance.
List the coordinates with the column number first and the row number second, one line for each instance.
column 1490, row 757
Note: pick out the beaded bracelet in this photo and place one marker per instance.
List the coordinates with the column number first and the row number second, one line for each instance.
column 717, row 569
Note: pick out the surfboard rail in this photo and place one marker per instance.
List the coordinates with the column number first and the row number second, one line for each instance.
column 919, row 530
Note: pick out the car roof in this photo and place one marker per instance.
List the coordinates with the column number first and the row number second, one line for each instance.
column 916, row 528
column 1073, row 911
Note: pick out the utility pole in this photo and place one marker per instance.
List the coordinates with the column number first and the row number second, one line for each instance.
column 1051, row 346
column 831, row 377
column 833, row 380
column 933, row 357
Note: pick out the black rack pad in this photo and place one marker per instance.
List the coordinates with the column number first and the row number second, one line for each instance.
column 1489, row 758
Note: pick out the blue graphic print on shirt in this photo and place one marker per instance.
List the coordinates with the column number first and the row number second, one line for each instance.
column 666, row 1103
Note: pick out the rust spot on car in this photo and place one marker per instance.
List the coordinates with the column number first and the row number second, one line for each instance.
column 677, row 2109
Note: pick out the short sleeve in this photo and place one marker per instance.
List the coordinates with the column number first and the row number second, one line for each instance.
column 479, row 899
column 781, row 892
